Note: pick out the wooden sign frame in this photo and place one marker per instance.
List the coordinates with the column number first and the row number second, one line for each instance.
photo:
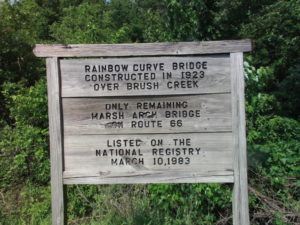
column 235, row 49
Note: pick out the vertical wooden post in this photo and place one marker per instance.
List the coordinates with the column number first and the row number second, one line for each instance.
column 56, row 146
column 240, row 190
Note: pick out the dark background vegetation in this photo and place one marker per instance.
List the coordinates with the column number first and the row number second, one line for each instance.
column 272, row 73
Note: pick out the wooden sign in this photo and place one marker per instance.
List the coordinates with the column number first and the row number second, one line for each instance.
column 145, row 76
column 149, row 113
column 172, row 158
column 172, row 114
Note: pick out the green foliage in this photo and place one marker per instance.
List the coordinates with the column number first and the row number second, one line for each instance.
column 21, row 26
column 117, row 22
column 231, row 15
column 272, row 75
column 37, row 207
column 273, row 140
column 288, row 93
column 259, row 80
column 189, row 203
column 192, row 20
column 273, row 144
column 81, row 24
column 24, row 146
column 29, row 204
column 275, row 31
column 109, row 205
column 183, row 21
column 27, row 106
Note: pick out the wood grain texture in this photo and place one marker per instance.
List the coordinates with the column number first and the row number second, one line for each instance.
column 77, row 80
column 56, row 145
column 203, row 113
column 155, row 178
column 143, row 49
column 206, row 157
column 240, row 191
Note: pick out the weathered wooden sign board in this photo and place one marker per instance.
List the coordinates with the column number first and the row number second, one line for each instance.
column 147, row 113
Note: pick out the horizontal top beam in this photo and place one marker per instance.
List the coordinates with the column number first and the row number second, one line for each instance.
column 142, row 49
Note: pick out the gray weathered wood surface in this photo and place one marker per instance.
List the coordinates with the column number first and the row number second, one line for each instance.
column 56, row 145
column 155, row 177
column 222, row 157
column 214, row 111
column 212, row 163
column 142, row 49
column 73, row 75
column 240, row 191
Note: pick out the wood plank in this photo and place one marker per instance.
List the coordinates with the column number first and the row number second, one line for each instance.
column 172, row 114
column 56, row 148
column 146, row 178
column 142, row 49
column 149, row 158
column 145, row 76
column 240, row 191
